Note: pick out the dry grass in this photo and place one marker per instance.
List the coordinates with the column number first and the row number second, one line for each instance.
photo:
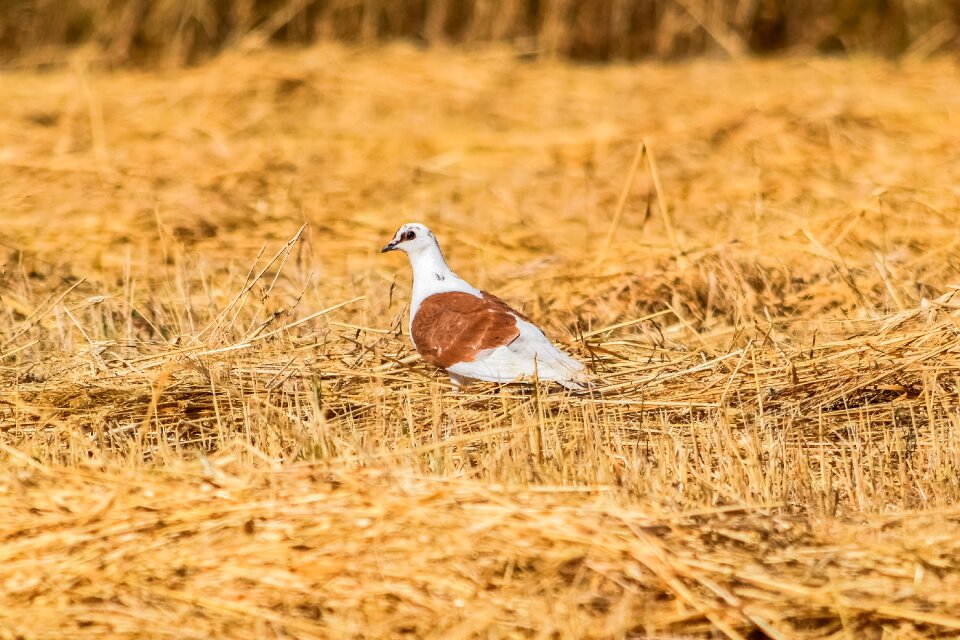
column 174, row 32
column 212, row 425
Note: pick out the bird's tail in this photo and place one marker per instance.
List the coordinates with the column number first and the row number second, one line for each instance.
column 577, row 382
column 566, row 371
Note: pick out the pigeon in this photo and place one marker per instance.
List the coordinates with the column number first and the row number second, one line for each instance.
column 471, row 334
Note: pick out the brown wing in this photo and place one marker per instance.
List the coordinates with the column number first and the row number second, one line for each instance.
column 492, row 299
column 454, row 327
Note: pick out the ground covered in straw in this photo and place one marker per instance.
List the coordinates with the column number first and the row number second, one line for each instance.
column 212, row 423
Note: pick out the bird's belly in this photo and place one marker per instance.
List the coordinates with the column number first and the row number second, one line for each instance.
column 495, row 365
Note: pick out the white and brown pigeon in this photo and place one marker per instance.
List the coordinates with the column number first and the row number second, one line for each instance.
column 469, row 333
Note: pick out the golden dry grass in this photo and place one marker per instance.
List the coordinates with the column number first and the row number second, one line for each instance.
column 212, row 425
column 177, row 32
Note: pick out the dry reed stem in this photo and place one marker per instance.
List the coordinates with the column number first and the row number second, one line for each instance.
column 178, row 32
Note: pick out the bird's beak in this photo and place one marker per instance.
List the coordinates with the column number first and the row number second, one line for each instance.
column 389, row 247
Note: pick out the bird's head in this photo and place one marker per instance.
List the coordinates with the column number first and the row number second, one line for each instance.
column 412, row 237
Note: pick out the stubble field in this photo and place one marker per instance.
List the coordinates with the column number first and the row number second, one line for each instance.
column 212, row 423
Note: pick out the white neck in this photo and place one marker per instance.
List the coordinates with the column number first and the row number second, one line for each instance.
column 428, row 261
column 432, row 275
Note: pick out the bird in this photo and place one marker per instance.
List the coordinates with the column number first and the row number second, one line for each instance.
column 471, row 334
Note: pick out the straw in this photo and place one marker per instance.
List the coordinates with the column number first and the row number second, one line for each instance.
column 212, row 423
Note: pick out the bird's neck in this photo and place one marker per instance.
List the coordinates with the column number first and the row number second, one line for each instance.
column 429, row 268
column 431, row 275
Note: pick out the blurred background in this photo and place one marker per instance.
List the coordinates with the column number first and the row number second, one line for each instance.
column 187, row 31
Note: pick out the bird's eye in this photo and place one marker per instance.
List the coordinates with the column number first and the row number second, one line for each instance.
column 409, row 235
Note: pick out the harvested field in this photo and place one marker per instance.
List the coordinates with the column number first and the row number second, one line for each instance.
column 212, row 423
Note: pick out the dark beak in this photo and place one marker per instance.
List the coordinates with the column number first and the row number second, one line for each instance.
column 389, row 247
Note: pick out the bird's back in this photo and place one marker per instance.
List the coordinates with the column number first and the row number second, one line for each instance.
column 530, row 354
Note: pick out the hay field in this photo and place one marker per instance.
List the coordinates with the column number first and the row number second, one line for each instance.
column 213, row 425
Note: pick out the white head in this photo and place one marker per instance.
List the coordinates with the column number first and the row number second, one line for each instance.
column 413, row 238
